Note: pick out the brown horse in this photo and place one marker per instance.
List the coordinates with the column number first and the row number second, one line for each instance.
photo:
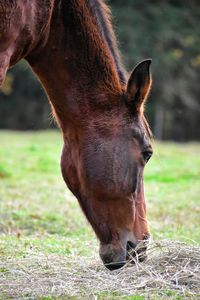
column 71, row 47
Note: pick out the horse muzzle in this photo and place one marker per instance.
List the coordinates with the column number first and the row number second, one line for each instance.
column 116, row 255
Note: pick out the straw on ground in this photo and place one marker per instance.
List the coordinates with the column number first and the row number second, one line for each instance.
column 170, row 267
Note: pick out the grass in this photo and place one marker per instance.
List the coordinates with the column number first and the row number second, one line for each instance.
column 39, row 216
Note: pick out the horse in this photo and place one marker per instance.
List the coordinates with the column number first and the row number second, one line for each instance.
column 72, row 49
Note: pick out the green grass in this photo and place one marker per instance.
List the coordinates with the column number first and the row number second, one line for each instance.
column 38, row 212
column 34, row 199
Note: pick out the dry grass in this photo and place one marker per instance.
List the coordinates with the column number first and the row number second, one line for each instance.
column 171, row 267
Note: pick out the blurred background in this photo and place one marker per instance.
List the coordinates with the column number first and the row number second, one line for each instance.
column 168, row 31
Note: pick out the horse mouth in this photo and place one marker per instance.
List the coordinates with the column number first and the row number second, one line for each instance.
column 133, row 254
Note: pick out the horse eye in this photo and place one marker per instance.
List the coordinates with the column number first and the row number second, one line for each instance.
column 147, row 155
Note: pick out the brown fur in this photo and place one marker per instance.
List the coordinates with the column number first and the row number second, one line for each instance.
column 71, row 47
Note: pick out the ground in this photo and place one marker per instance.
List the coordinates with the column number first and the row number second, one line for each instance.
column 40, row 220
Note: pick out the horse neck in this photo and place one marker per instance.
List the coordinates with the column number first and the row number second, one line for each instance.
column 76, row 64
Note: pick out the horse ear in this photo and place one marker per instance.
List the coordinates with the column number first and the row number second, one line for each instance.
column 139, row 84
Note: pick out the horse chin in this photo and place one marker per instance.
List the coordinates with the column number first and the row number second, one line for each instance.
column 115, row 265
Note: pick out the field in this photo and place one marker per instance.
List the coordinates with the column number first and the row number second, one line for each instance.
column 42, row 229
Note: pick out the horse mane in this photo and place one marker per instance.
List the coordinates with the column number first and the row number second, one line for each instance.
column 92, row 41
column 104, row 20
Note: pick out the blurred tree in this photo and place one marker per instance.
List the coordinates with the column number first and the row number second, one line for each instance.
column 168, row 32
column 7, row 86
column 23, row 102
column 165, row 30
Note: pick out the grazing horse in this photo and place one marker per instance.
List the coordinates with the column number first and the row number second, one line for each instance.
column 71, row 47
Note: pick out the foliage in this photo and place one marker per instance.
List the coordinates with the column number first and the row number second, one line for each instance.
column 23, row 103
column 166, row 31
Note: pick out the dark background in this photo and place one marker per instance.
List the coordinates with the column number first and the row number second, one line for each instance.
column 166, row 31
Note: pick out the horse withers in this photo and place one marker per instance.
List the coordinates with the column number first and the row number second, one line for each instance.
column 72, row 48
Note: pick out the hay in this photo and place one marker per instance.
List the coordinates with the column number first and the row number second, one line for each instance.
column 171, row 266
